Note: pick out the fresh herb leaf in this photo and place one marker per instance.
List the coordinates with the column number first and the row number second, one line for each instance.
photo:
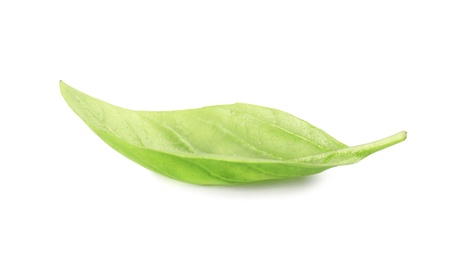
column 219, row 145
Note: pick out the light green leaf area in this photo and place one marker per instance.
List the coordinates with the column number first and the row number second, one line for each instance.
column 219, row 145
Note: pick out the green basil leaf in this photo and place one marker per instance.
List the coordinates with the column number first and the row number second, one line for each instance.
column 219, row 145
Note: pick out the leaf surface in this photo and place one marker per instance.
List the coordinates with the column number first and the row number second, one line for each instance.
column 218, row 145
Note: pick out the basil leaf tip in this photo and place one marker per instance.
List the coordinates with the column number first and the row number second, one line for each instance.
column 219, row 145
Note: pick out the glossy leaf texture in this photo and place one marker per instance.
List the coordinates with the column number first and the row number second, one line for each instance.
column 219, row 145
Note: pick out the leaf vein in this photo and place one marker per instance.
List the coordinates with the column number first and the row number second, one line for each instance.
column 239, row 139
column 276, row 126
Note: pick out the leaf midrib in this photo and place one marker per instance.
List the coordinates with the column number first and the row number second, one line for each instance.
column 277, row 127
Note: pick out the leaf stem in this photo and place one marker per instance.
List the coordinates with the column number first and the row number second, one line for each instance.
column 352, row 154
column 383, row 143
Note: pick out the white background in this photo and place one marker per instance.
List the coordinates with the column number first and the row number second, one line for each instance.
column 360, row 70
